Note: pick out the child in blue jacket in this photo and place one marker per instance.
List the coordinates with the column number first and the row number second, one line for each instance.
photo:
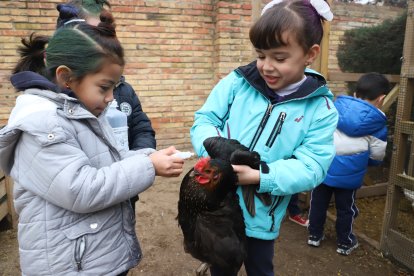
column 360, row 140
column 280, row 109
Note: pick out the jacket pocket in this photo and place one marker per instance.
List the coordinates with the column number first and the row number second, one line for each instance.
column 128, row 217
column 277, row 128
column 79, row 232
column 276, row 202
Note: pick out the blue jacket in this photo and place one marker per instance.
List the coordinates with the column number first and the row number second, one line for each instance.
column 294, row 137
column 360, row 140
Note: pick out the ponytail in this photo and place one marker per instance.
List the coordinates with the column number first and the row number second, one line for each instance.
column 83, row 48
column 32, row 54
column 107, row 25
column 105, row 36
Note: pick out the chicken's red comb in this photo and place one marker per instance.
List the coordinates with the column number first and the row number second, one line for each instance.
column 201, row 163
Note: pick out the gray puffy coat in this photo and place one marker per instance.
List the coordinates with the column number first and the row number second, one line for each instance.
column 72, row 188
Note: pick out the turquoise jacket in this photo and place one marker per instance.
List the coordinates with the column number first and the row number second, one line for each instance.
column 293, row 137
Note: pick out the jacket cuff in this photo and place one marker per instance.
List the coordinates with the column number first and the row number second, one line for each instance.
column 266, row 180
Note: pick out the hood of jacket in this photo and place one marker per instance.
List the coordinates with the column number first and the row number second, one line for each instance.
column 358, row 117
column 40, row 98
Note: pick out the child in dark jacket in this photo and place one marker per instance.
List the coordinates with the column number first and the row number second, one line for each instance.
column 360, row 140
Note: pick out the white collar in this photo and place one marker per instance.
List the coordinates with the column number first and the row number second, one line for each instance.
column 291, row 88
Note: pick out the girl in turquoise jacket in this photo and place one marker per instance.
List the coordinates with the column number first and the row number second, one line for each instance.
column 282, row 110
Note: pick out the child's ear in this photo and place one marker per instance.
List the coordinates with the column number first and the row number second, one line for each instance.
column 380, row 100
column 63, row 74
column 313, row 53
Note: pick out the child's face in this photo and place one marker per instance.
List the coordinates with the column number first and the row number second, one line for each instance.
column 95, row 90
column 284, row 65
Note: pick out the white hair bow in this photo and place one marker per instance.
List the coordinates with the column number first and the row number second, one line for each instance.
column 271, row 4
column 320, row 6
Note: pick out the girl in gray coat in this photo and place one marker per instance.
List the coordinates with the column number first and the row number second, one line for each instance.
column 72, row 183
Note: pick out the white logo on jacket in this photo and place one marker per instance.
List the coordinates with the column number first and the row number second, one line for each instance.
column 126, row 108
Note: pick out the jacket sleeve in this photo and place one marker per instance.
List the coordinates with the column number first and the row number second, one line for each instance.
column 377, row 147
column 140, row 132
column 71, row 182
column 311, row 159
column 209, row 120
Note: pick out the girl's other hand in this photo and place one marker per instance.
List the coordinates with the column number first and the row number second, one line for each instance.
column 246, row 175
column 165, row 164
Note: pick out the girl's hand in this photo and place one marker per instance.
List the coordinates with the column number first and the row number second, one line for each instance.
column 246, row 175
column 165, row 164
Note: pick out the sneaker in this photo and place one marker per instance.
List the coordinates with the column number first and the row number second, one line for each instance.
column 299, row 220
column 346, row 250
column 315, row 241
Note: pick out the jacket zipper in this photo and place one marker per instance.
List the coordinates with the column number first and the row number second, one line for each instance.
column 275, row 204
column 261, row 127
column 276, row 129
column 80, row 246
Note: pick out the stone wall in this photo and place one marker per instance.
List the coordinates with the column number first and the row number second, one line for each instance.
column 175, row 50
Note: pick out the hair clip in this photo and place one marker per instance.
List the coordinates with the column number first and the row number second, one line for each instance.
column 321, row 7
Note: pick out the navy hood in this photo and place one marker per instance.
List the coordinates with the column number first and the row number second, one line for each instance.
column 251, row 74
column 27, row 79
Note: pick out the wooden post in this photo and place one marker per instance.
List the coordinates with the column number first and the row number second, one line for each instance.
column 256, row 10
column 391, row 97
column 321, row 63
column 395, row 244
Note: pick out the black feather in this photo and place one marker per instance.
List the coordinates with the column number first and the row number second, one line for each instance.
column 222, row 148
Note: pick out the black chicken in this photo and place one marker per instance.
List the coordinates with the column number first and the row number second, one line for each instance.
column 209, row 213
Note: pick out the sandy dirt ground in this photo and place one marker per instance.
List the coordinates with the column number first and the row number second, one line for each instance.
column 161, row 241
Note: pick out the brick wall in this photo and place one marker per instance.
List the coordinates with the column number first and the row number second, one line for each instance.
column 175, row 50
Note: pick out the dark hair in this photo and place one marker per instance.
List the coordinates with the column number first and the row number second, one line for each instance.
column 372, row 85
column 32, row 54
column 82, row 48
column 78, row 10
column 298, row 17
